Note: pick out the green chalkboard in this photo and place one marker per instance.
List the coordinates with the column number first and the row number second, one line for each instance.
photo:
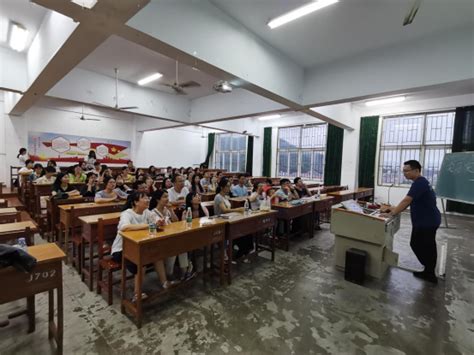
column 456, row 178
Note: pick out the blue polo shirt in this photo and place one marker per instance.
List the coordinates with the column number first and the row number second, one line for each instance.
column 423, row 210
column 239, row 191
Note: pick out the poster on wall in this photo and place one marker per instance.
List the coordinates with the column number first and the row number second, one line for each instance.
column 68, row 148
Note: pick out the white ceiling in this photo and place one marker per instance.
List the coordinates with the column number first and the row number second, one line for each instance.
column 346, row 28
column 136, row 62
column 24, row 13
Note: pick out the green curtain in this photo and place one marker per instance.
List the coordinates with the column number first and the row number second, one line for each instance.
column 267, row 152
column 333, row 165
column 249, row 155
column 367, row 150
column 463, row 141
column 210, row 147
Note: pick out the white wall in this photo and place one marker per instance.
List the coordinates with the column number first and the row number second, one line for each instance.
column 59, row 117
column 171, row 147
column 12, row 70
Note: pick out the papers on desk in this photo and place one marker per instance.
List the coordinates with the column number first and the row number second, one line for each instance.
column 353, row 206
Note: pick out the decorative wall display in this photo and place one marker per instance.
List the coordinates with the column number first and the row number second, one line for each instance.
column 68, row 148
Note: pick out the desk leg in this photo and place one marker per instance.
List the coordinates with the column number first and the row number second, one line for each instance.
column 273, row 242
column 287, row 234
column 122, row 285
column 222, row 266
column 91, row 265
column 139, row 296
column 66, row 243
column 60, row 319
column 229, row 261
column 205, row 271
column 30, row 309
column 50, row 313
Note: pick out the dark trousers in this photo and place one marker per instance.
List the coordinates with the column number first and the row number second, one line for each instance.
column 423, row 244
column 245, row 245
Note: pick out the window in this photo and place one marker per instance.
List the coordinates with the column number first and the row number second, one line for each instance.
column 230, row 152
column 301, row 151
column 423, row 137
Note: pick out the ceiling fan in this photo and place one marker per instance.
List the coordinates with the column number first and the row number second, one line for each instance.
column 179, row 88
column 410, row 16
column 83, row 118
column 117, row 107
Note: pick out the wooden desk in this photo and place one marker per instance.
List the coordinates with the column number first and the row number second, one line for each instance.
column 240, row 225
column 53, row 211
column 208, row 196
column 340, row 196
column 83, row 209
column 7, row 228
column 89, row 236
column 141, row 249
column 3, row 203
column 363, row 193
column 45, row 276
column 287, row 212
column 236, row 202
column 9, row 215
column 8, row 211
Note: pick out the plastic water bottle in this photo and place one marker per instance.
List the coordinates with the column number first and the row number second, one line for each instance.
column 152, row 229
column 318, row 195
column 246, row 207
column 189, row 218
column 22, row 244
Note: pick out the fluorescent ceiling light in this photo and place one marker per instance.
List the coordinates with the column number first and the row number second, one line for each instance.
column 389, row 100
column 150, row 78
column 85, row 3
column 269, row 117
column 3, row 29
column 300, row 12
column 18, row 37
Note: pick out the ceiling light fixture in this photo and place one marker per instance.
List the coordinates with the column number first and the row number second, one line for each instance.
column 85, row 3
column 3, row 29
column 18, row 37
column 269, row 117
column 222, row 86
column 149, row 79
column 389, row 100
column 300, row 12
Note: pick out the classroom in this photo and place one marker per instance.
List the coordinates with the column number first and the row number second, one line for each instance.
column 237, row 177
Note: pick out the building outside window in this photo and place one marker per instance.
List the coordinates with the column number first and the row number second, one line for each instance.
column 230, row 152
column 425, row 137
column 301, row 151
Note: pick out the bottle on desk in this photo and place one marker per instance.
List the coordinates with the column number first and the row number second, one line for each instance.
column 318, row 194
column 246, row 207
column 189, row 218
column 152, row 229
column 21, row 244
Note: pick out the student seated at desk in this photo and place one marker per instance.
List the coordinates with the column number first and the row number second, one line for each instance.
column 140, row 186
column 240, row 190
column 159, row 205
column 28, row 168
column 166, row 184
column 54, row 165
column 256, row 197
column 127, row 177
column 206, row 180
column 37, row 172
column 285, row 192
column 152, row 171
column 177, row 194
column 61, row 188
column 48, row 177
column 77, row 175
column 150, row 185
column 97, row 169
column 121, row 185
column 90, row 188
column 196, row 184
column 131, row 168
column 212, row 187
column 193, row 200
column 110, row 193
column 301, row 189
column 221, row 206
column 136, row 216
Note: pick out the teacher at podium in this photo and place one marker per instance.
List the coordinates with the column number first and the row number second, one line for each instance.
column 425, row 218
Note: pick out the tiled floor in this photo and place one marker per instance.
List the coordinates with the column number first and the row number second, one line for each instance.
column 300, row 304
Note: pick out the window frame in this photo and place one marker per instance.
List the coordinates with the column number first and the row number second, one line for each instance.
column 300, row 151
column 231, row 151
column 422, row 147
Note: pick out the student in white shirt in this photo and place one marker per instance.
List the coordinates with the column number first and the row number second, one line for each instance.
column 256, row 197
column 160, row 206
column 48, row 177
column 54, row 165
column 136, row 216
column 189, row 180
column 22, row 156
column 28, row 168
column 177, row 194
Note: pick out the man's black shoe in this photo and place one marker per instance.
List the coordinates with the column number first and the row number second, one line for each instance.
column 431, row 277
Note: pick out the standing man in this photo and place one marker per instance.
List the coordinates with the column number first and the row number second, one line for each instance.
column 425, row 218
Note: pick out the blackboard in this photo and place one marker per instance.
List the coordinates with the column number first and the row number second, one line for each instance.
column 456, row 178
